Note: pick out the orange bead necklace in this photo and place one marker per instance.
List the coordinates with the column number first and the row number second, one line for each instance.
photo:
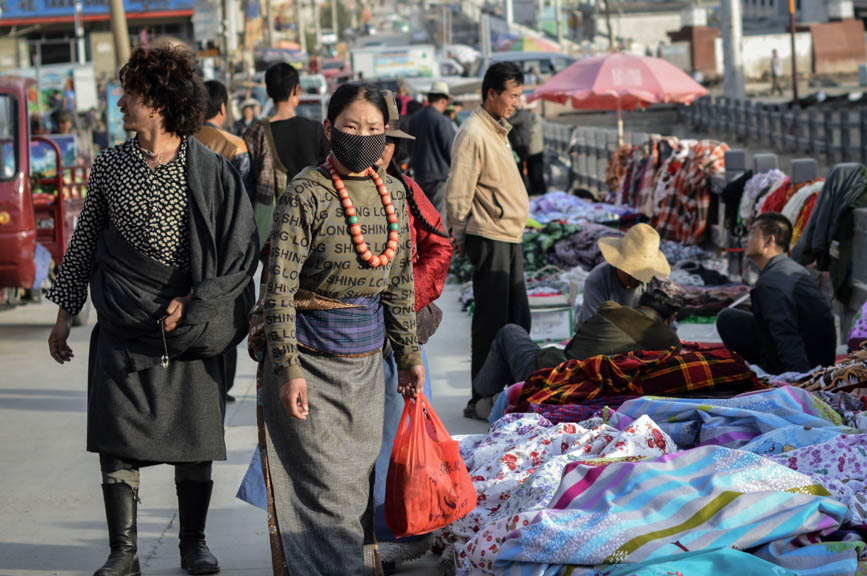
column 352, row 218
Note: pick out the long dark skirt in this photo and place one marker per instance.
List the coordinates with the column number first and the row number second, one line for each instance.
column 322, row 469
column 172, row 414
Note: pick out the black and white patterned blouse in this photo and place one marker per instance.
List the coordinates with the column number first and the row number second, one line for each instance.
column 149, row 207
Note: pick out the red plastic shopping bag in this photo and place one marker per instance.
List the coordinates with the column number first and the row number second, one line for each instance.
column 428, row 485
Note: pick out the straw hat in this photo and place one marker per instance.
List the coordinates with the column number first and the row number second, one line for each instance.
column 637, row 253
column 440, row 88
column 394, row 130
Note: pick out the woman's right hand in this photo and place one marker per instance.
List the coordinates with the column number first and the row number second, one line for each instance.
column 293, row 395
column 57, row 341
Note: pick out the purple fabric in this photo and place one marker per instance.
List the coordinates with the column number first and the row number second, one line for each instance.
column 344, row 331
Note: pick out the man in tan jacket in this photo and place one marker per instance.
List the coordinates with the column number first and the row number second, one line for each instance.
column 487, row 208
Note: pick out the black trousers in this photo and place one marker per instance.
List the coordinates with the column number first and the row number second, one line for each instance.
column 512, row 359
column 740, row 332
column 499, row 292
column 536, row 173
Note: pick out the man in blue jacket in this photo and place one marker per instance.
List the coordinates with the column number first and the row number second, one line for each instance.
column 791, row 327
column 431, row 152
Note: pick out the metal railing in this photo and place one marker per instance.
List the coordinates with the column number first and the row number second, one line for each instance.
column 587, row 149
column 836, row 134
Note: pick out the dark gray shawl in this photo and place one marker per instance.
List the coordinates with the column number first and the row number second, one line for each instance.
column 137, row 408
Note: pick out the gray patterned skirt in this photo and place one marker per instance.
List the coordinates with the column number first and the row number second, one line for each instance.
column 322, row 469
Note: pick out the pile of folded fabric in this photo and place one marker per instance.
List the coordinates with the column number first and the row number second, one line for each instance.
column 558, row 205
column 767, row 482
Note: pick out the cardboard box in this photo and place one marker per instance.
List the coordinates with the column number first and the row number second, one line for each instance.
column 551, row 324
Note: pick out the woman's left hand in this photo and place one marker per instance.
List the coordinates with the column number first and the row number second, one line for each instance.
column 410, row 382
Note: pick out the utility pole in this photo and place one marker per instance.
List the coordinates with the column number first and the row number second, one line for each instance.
column 510, row 14
column 299, row 26
column 266, row 13
column 334, row 23
column 119, row 32
column 608, row 24
column 316, row 27
column 558, row 9
column 79, row 34
column 732, row 24
column 444, row 25
column 794, row 53
column 484, row 40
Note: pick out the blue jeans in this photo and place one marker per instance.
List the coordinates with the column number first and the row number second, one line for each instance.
column 393, row 410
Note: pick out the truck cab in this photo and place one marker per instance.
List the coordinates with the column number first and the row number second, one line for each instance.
column 41, row 198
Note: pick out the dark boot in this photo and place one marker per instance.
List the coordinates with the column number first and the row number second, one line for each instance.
column 193, row 500
column 120, row 512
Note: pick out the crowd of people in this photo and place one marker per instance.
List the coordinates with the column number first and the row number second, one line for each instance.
column 353, row 253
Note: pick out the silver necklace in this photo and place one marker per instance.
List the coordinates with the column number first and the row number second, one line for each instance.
column 158, row 156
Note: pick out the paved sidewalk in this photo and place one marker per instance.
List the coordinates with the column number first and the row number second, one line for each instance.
column 51, row 512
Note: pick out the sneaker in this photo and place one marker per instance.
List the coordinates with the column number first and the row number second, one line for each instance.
column 483, row 408
column 229, row 398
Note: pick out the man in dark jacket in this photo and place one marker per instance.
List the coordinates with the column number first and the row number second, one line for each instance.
column 614, row 329
column 791, row 328
column 431, row 152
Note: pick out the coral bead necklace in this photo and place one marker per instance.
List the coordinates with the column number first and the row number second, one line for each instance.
column 352, row 218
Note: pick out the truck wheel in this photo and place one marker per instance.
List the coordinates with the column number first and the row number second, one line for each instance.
column 82, row 318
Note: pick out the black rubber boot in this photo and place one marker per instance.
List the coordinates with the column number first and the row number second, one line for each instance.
column 193, row 501
column 120, row 512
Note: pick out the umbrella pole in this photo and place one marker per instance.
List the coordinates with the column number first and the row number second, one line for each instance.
column 619, row 124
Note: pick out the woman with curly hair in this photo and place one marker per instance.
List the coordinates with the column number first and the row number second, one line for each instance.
column 167, row 245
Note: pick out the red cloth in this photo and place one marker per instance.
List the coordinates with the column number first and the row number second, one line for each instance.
column 658, row 373
column 430, row 269
column 402, row 101
column 778, row 198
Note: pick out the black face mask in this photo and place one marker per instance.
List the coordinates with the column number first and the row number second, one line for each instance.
column 356, row 153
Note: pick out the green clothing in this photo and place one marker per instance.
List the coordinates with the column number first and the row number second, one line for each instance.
column 614, row 329
column 312, row 249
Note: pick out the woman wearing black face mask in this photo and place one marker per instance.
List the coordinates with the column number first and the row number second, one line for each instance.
column 340, row 284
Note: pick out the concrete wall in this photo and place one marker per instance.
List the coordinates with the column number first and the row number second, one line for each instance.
column 757, row 54
column 643, row 29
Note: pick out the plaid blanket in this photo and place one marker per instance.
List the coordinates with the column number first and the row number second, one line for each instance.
column 658, row 373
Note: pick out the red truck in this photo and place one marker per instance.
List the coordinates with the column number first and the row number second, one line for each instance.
column 37, row 206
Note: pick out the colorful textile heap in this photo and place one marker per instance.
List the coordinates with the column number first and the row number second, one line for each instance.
column 840, row 465
column 755, row 189
column 765, row 422
column 637, row 373
column 631, row 512
column 775, row 200
column 670, row 182
column 518, row 466
column 710, row 301
column 847, row 374
column 581, row 248
column 559, row 205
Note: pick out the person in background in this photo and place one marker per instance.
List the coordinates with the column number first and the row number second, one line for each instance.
column 166, row 242
column 280, row 146
column 432, row 254
column 69, row 95
column 249, row 113
column 532, row 77
column 452, row 111
column 791, row 327
column 614, row 329
column 487, row 209
column 776, row 73
column 430, row 152
column 234, row 150
column 63, row 122
column 630, row 262
column 402, row 97
column 526, row 138
column 212, row 135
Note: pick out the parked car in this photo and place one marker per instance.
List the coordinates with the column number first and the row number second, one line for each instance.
column 545, row 63
column 313, row 84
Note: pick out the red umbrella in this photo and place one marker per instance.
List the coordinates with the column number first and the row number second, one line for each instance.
column 619, row 81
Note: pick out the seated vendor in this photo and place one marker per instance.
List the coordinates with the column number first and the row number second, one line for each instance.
column 791, row 327
column 630, row 262
column 614, row 329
